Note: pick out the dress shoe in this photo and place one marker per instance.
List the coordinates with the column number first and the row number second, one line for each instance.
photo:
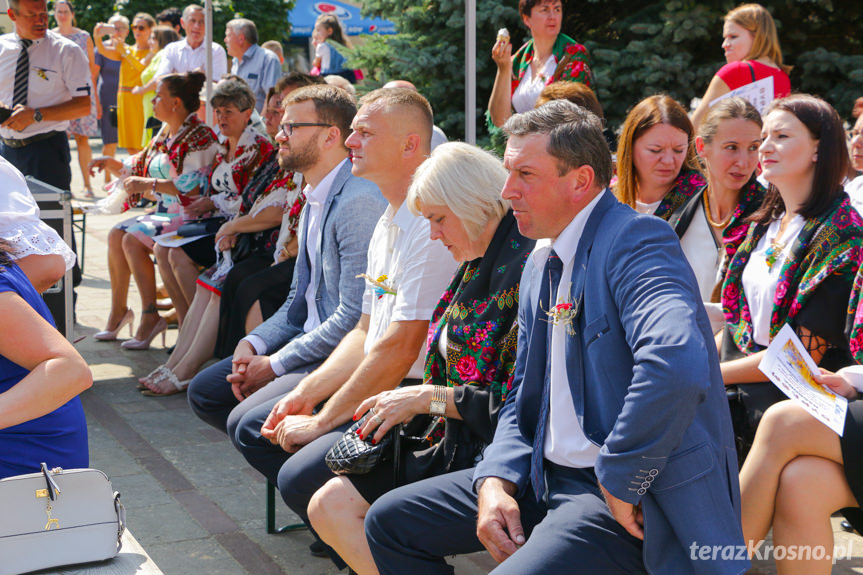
column 142, row 344
column 111, row 335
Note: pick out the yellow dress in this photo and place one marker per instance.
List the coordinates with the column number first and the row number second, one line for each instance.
column 130, row 107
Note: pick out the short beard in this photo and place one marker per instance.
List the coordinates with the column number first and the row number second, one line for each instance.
column 299, row 161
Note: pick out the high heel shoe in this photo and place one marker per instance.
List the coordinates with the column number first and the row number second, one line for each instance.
column 142, row 344
column 111, row 335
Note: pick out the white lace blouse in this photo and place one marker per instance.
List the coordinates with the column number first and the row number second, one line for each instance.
column 20, row 226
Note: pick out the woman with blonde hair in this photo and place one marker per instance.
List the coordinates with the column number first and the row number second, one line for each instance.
column 471, row 346
column 657, row 170
column 752, row 53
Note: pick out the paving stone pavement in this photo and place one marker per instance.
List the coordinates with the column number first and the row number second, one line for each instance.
column 192, row 501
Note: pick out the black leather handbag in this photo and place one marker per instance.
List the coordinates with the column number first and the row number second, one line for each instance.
column 352, row 455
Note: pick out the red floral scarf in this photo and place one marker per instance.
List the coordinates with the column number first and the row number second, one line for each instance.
column 573, row 62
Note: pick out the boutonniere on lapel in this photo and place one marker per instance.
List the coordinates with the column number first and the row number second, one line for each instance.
column 379, row 286
column 564, row 313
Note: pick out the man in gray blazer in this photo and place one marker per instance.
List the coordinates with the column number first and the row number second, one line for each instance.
column 325, row 300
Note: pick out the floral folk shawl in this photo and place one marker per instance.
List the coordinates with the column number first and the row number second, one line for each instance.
column 687, row 184
column 271, row 185
column 735, row 232
column 831, row 243
column 479, row 310
column 252, row 148
column 573, row 62
column 193, row 139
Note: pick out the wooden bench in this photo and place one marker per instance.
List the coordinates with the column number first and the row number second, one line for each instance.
column 132, row 560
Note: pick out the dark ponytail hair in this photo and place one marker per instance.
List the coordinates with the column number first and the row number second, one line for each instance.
column 186, row 87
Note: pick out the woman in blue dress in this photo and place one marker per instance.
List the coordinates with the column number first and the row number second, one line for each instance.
column 41, row 375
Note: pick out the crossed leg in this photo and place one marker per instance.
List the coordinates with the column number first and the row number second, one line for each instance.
column 793, row 479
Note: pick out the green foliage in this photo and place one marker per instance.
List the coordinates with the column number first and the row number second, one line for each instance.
column 674, row 46
column 270, row 16
column 429, row 51
column 638, row 48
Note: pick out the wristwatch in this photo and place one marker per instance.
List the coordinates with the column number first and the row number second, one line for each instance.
column 437, row 407
column 37, row 115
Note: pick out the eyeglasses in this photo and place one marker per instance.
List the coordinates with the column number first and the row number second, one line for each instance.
column 288, row 128
column 851, row 134
column 140, row 27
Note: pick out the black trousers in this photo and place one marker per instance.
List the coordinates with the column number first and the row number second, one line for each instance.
column 47, row 160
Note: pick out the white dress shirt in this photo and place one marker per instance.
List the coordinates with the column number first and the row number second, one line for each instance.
column 759, row 281
column 58, row 72
column 565, row 441
column 315, row 200
column 418, row 269
column 180, row 58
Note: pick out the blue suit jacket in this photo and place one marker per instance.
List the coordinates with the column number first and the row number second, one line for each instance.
column 646, row 385
column 350, row 214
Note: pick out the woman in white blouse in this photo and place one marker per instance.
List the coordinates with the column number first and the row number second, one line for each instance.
column 41, row 254
column 798, row 260
column 240, row 153
column 713, row 222
column 247, row 186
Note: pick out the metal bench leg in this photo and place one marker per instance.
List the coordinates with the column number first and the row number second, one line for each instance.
column 271, row 514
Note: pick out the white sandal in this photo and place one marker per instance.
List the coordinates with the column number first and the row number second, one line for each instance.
column 166, row 385
column 153, row 376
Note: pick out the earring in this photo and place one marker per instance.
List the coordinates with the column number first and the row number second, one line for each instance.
column 174, row 108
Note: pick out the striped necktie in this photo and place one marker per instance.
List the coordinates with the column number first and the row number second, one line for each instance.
column 22, row 74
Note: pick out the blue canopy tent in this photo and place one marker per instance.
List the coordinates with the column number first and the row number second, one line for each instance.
column 305, row 13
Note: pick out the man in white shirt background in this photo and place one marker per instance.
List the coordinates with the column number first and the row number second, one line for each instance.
column 190, row 53
column 258, row 67
column 45, row 80
column 284, row 438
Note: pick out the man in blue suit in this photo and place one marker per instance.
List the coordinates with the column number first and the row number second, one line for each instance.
column 616, row 453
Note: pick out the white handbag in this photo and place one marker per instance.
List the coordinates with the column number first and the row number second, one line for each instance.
column 58, row 517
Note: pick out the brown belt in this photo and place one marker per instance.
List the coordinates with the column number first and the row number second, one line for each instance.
column 21, row 142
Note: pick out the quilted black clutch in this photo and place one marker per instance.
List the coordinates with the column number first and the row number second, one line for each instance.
column 352, row 455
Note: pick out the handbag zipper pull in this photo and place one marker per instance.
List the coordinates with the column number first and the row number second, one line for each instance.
column 52, row 521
